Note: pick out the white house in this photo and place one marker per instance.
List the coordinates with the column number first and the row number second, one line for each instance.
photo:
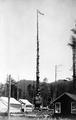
column 3, row 107
column 26, row 105
column 15, row 106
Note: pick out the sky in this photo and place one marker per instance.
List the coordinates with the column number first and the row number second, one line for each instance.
column 18, row 35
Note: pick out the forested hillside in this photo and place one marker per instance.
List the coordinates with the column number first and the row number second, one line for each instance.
column 26, row 89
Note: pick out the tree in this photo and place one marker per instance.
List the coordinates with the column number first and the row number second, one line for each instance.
column 30, row 91
column 44, row 93
column 73, row 46
column 13, row 88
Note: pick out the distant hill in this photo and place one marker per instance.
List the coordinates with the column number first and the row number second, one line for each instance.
column 26, row 89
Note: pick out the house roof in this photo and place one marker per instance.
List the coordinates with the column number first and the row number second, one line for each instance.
column 72, row 96
column 12, row 100
column 4, row 105
column 25, row 101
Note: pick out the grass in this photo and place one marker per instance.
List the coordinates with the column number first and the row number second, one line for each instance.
column 25, row 118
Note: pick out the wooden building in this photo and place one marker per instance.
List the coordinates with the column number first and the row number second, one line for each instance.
column 64, row 105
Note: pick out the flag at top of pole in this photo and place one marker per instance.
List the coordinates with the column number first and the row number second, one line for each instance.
column 40, row 12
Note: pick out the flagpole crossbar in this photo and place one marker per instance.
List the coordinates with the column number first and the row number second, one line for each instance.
column 40, row 12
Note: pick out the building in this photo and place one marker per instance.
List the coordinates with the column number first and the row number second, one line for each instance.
column 64, row 105
column 15, row 106
column 26, row 105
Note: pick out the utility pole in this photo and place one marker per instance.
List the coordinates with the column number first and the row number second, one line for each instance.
column 9, row 95
column 55, row 89
column 17, row 89
column 55, row 73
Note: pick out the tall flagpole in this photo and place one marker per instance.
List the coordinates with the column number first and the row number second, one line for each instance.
column 37, row 64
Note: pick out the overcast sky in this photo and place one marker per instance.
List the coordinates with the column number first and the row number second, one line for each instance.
column 18, row 38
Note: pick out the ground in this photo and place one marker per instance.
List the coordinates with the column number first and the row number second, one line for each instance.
column 24, row 118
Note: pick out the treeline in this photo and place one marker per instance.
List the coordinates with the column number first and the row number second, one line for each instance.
column 26, row 89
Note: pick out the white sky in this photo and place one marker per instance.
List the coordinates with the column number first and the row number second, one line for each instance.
column 18, row 38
